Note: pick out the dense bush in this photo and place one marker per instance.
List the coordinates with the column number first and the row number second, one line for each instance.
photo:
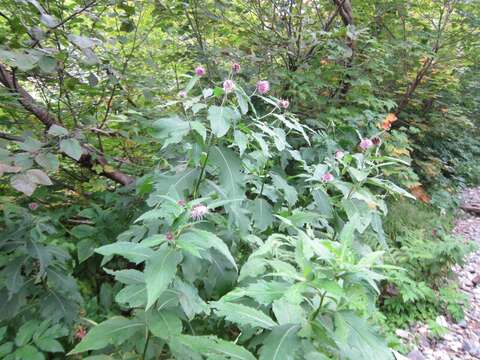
column 224, row 251
column 426, row 251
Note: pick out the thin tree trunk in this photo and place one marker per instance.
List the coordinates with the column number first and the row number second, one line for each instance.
column 346, row 13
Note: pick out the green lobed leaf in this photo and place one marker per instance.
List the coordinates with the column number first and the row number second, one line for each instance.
column 25, row 333
column 134, row 252
column 230, row 170
column 49, row 345
column 356, row 340
column 163, row 324
column 262, row 214
column 191, row 303
column 113, row 331
column 72, row 148
column 289, row 191
column 213, row 346
column 221, row 119
column 134, row 295
column 281, row 344
column 201, row 240
column 48, row 161
column 243, row 315
column 160, row 270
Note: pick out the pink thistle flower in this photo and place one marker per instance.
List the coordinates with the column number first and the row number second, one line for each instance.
column 327, row 177
column 366, row 144
column 80, row 332
column 199, row 71
column 182, row 94
column 236, row 68
column 339, row 154
column 169, row 236
column 181, row 202
column 228, row 86
column 263, row 86
column 198, row 212
column 284, row 104
column 33, row 206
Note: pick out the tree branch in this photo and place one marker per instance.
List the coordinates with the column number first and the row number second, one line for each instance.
column 428, row 63
column 68, row 18
column 346, row 13
column 11, row 137
column 90, row 157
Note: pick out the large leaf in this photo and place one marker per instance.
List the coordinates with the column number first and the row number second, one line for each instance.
column 289, row 191
column 241, row 140
column 322, row 202
column 82, row 41
column 25, row 332
column 134, row 295
column 356, row 340
column 242, row 99
column 23, row 60
column 171, row 130
column 288, row 313
column 195, row 241
column 110, row 332
column 281, row 344
column 390, row 186
column 128, row 276
column 48, row 161
column 243, row 315
column 38, row 177
column 160, row 269
column 12, row 273
column 49, row 345
column 56, row 306
column 179, row 184
column 56, row 130
column 221, row 118
column 163, row 324
column 262, row 214
column 189, row 299
column 213, row 346
column 134, row 252
column 229, row 168
column 23, row 183
column 263, row 292
column 85, row 249
column 71, row 147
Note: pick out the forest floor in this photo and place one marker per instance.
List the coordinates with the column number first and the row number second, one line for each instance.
column 462, row 340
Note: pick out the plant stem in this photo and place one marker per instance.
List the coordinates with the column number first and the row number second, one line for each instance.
column 315, row 313
column 204, row 165
column 145, row 348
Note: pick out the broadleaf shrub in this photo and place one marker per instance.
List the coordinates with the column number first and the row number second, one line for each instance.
column 255, row 230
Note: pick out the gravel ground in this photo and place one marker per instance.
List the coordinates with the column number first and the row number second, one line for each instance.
column 462, row 341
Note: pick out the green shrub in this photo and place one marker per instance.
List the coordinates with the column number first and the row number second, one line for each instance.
column 250, row 247
column 421, row 245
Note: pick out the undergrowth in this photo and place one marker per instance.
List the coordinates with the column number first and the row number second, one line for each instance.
column 422, row 245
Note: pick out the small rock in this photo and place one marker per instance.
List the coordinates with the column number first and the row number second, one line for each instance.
column 402, row 333
column 423, row 342
column 476, row 280
column 440, row 320
column 463, row 324
column 416, row 355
